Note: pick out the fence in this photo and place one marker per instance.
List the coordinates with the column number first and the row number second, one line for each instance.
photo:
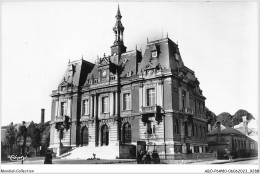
column 186, row 158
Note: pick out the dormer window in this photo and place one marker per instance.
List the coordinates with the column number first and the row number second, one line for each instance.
column 154, row 54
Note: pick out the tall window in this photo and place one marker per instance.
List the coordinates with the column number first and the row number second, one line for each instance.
column 176, row 126
column 183, row 99
column 127, row 133
column 85, row 110
column 186, row 127
column 62, row 108
column 150, row 97
column 192, row 130
column 149, row 128
column 105, row 105
column 126, row 101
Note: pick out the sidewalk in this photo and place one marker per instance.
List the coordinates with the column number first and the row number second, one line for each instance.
column 225, row 161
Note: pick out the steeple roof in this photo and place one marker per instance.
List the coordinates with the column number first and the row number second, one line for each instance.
column 118, row 14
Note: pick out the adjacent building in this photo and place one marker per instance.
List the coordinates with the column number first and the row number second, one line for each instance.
column 224, row 140
column 129, row 100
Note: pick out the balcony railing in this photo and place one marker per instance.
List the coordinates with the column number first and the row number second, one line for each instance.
column 150, row 109
column 187, row 110
column 150, row 136
column 84, row 117
column 59, row 118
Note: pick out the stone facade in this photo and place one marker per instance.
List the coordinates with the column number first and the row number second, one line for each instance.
column 130, row 96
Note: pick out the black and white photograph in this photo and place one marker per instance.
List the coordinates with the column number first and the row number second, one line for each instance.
column 109, row 87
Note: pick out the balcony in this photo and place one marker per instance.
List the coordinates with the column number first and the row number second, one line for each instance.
column 150, row 136
column 150, row 109
column 84, row 117
column 59, row 118
column 187, row 110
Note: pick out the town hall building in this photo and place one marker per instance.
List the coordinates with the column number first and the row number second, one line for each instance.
column 129, row 101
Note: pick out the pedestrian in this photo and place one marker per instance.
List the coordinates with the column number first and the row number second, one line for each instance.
column 155, row 157
column 139, row 157
column 147, row 159
column 48, row 157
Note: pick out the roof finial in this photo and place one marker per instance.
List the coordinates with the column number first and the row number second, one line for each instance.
column 82, row 57
column 136, row 47
column 104, row 54
column 167, row 35
column 69, row 60
column 147, row 40
column 162, row 32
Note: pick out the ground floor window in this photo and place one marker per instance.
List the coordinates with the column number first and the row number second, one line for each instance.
column 177, row 149
column 127, row 133
column 196, row 149
column 84, row 136
column 104, row 135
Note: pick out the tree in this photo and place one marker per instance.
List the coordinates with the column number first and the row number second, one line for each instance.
column 237, row 118
column 36, row 138
column 10, row 136
column 45, row 140
column 23, row 133
column 225, row 118
column 211, row 117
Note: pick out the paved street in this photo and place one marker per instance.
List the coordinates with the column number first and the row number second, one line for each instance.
column 40, row 160
column 255, row 161
column 74, row 161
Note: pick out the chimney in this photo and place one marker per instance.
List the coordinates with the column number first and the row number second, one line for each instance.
column 245, row 125
column 218, row 124
column 42, row 115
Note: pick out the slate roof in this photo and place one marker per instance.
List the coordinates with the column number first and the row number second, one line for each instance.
column 76, row 73
column 129, row 62
column 168, row 55
column 225, row 130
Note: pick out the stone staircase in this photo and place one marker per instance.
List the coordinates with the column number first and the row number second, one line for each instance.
column 85, row 152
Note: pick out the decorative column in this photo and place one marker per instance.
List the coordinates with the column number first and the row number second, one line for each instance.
column 56, row 107
column 69, row 107
column 116, row 104
column 140, row 97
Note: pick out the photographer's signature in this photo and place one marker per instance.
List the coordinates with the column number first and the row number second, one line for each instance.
column 17, row 158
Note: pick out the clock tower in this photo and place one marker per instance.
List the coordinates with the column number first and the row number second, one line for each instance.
column 118, row 47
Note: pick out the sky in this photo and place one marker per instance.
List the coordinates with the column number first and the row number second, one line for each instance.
column 218, row 40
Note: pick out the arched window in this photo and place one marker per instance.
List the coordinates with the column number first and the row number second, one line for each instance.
column 84, row 136
column 104, row 135
column 127, row 136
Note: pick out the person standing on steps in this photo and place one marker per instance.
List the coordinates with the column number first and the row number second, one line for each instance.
column 48, row 157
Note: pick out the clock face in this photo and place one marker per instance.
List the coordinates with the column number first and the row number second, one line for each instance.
column 154, row 54
column 104, row 73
